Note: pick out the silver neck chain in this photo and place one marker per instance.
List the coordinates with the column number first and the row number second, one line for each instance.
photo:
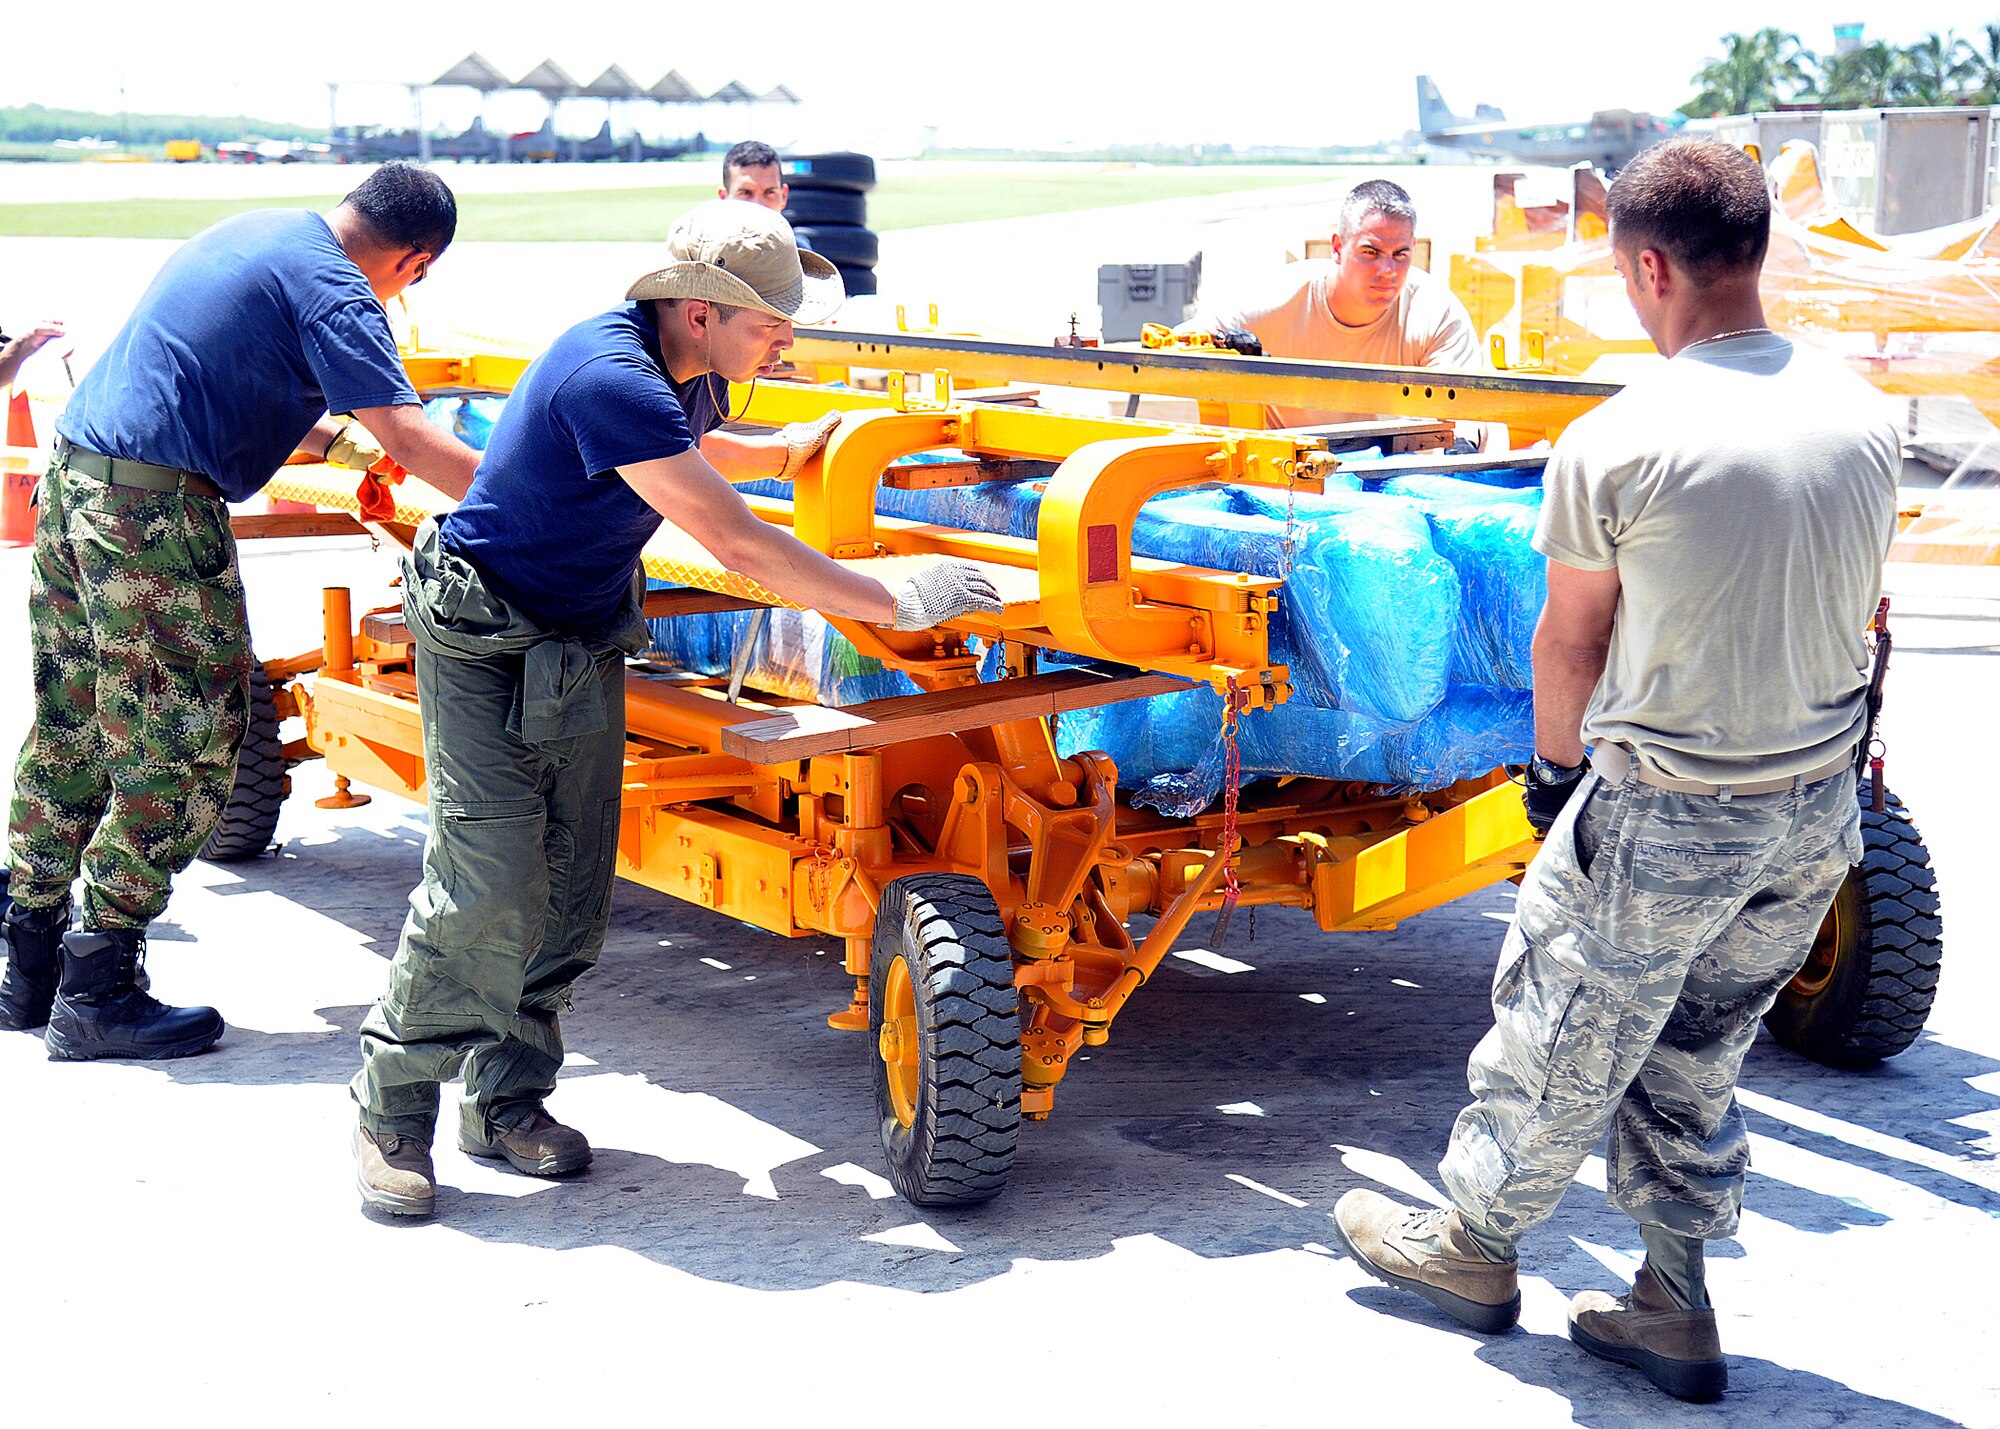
column 1725, row 336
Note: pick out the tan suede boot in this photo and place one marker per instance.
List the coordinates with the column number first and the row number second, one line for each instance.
column 1428, row 1252
column 1678, row 1350
column 539, row 1146
column 394, row 1174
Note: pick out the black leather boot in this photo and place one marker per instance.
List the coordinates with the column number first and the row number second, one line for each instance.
column 34, row 964
column 101, row 1011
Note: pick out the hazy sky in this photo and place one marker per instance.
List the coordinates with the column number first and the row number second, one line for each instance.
column 1025, row 74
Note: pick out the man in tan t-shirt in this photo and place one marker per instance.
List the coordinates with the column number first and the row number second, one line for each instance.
column 1715, row 536
column 1368, row 303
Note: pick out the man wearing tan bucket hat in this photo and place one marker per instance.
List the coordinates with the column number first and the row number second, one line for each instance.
column 523, row 604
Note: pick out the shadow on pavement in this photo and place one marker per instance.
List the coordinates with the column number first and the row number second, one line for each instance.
column 1220, row 1099
column 1609, row 1396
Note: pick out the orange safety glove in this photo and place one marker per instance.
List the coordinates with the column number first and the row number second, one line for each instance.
column 373, row 493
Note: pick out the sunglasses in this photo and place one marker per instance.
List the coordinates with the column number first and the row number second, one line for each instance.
column 423, row 269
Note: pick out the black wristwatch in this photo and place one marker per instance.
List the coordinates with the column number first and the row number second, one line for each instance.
column 1551, row 775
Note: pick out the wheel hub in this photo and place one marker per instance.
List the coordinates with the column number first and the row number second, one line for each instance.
column 1828, row 943
column 897, row 1043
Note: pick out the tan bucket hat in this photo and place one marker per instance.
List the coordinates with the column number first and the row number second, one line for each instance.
column 742, row 254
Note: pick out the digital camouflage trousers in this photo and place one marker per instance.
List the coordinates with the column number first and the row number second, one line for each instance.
column 1652, row 933
column 141, row 658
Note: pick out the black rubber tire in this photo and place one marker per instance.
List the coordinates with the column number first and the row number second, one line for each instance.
column 960, row 1144
column 836, row 206
column 853, row 173
column 1886, row 942
column 843, row 246
column 858, row 282
column 251, row 816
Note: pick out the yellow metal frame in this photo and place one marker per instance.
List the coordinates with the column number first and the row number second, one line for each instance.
column 805, row 847
column 1536, row 407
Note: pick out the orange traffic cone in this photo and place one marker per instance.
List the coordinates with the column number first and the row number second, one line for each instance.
column 17, row 518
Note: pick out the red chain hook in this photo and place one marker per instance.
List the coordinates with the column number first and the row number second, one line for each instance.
column 1234, row 703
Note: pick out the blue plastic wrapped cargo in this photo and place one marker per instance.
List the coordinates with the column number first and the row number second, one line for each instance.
column 470, row 419
column 1484, row 531
column 796, row 654
column 1407, row 610
column 1367, row 607
column 1170, row 754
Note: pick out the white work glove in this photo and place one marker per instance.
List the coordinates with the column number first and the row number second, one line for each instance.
column 942, row 592
column 354, row 446
column 802, row 439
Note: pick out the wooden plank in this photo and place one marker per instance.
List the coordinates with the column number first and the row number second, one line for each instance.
column 386, row 627
column 295, row 523
column 929, row 475
column 1444, row 464
column 663, row 604
column 814, row 729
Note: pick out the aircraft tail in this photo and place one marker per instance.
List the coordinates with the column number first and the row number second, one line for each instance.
column 1433, row 114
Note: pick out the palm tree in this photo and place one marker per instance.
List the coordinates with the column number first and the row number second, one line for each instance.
column 1860, row 79
column 1754, row 72
column 1935, row 70
column 1984, row 63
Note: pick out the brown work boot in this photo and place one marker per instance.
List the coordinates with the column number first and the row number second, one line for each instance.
column 1429, row 1253
column 394, row 1174
column 1677, row 1349
column 539, row 1146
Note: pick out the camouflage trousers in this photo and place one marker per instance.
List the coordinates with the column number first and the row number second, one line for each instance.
column 1653, row 932
column 141, row 657
column 518, row 867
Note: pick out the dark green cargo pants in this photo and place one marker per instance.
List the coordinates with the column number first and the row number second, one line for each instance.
column 524, row 738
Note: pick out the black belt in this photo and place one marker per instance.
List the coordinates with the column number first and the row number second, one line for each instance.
column 118, row 471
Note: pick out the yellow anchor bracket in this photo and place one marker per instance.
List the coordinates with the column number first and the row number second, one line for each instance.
column 1085, row 563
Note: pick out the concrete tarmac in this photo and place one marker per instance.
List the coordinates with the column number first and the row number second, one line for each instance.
column 184, row 1243
column 735, row 1256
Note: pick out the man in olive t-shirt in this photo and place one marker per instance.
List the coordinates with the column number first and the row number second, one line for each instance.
column 1715, row 535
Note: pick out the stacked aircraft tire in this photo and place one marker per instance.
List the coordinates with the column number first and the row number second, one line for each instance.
column 828, row 208
column 1868, row 984
column 257, row 796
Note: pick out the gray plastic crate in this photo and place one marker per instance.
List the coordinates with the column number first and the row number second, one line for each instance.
column 1134, row 294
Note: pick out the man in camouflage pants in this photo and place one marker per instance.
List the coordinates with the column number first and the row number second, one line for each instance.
column 252, row 332
column 1715, row 535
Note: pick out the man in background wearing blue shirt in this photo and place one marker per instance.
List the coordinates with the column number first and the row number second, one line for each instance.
column 251, row 334
column 522, row 603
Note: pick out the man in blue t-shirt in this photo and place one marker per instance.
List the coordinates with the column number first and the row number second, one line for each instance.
column 522, row 603
column 250, row 336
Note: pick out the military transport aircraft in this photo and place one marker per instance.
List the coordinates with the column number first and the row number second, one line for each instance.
column 1608, row 139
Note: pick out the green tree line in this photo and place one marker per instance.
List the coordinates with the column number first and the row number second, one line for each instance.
column 33, row 124
column 1770, row 67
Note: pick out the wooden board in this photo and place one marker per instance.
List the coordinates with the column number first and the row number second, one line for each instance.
column 928, row 476
column 664, row 604
column 386, row 627
column 295, row 523
column 814, row 729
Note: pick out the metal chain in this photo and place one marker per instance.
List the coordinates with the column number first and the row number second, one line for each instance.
column 819, row 882
column 1232, row 776
column 1291, row 521
column 1871, row 745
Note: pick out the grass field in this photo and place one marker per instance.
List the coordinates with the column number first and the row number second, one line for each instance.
column 642, row 215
